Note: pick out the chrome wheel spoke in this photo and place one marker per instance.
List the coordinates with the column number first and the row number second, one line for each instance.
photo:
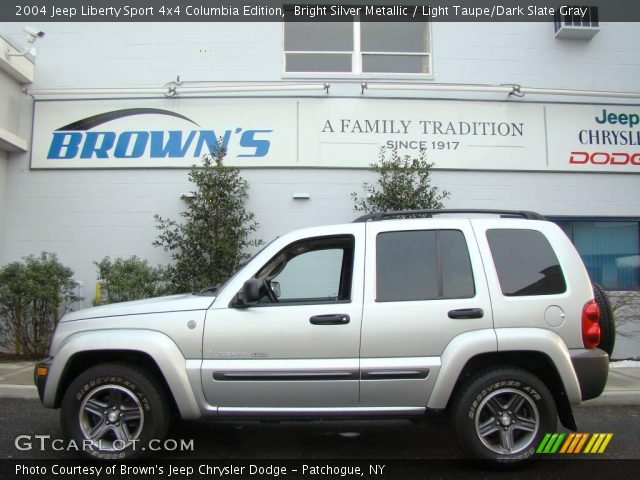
column 488, row 427
column 506, row 439
column 515, row 403
column 122, row 433
column 98, row 431
column 95, row 407
column 130, row 413
column 525, row 424
column 494, row 407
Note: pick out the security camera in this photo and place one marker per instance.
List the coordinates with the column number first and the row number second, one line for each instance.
column 33, row 33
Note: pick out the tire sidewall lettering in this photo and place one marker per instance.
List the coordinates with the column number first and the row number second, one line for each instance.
column 113, row 380
column 516, row 384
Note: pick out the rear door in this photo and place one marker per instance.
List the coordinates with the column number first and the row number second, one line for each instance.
column 424, row 286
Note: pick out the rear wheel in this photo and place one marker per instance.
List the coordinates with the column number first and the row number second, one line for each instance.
column 113, row 410
column 502, row 415
column 607, row 321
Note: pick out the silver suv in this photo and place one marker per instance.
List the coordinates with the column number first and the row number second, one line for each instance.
column 489, row 316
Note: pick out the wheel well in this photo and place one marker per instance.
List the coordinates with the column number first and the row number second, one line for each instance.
column 82, row 361
column 534, row 362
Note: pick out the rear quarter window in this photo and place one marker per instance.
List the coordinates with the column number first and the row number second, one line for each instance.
column 525, row 262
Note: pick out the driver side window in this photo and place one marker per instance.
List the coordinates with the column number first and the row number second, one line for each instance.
column 313, row 270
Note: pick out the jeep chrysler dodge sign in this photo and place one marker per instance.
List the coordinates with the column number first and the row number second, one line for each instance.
column 335, row 133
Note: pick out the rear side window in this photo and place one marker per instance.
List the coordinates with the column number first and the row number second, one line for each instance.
column 525, row 262
column 422, row 265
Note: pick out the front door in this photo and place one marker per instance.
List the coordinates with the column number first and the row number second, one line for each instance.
column 298, row 346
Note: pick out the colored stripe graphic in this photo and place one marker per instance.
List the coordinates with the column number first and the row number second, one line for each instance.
column 600, row 442
column 567, row 443
column 543, row 443
column 574, row 443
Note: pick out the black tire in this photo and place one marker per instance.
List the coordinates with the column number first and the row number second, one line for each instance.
column 113, row 410
column 499, row 404
column 607, row 320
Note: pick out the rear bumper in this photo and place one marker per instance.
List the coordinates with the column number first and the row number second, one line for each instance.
column 41, row 380
column 592, row 369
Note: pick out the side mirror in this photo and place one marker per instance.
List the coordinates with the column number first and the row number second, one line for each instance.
column 275, row 288
column 250, row 294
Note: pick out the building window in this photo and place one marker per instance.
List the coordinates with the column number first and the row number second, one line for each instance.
column 361, row 48
column 609, row 249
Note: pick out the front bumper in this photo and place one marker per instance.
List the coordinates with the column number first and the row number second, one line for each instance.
column 592, row 369
column 39, row 378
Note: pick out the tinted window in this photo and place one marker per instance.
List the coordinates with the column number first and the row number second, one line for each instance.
column 422, row 265
column 457, row 279
column 525, row 262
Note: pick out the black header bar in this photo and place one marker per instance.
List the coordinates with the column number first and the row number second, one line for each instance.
column 30, row 11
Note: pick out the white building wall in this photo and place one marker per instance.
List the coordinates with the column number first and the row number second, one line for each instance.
column 84, row 215
column 126, row 54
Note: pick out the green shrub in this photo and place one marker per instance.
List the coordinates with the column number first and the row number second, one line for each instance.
column 125, row 279
column 211, row 241
column 34, row 294
column 404, row 183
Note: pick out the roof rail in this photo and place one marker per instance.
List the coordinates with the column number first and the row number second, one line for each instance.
column 375, row 217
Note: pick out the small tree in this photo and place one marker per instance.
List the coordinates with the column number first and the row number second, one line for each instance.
column 404, row 183
column 125, row 279
column 34, row 294
column 210, row 243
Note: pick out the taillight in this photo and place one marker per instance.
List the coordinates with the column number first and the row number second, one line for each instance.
column 591, row 324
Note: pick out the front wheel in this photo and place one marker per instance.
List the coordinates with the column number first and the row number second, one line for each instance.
column 113, row 410
column 502, row 415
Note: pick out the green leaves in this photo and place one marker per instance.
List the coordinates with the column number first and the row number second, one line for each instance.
column 210, row 242
column 125, row 279
column 34, row 294
column 404, row 183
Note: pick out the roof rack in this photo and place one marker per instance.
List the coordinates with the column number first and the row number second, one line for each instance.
column 375, row 217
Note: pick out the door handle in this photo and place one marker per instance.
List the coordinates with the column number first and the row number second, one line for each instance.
column 464, row 313
column 332, row 319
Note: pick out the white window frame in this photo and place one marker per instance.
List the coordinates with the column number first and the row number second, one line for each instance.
column 356, row 60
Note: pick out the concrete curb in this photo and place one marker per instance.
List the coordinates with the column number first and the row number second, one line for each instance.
column 615, row 398
column 19, row 391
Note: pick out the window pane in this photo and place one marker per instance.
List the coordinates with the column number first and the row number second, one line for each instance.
column 610, row 251
column 407, row 266
column 525, row 262
column 395, row 63
column 318, row 36
column 318, row 62
column 457, row 276
column 315, row 274
column 411, row 37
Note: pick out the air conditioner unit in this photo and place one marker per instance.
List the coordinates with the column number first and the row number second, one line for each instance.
column 575, row 26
